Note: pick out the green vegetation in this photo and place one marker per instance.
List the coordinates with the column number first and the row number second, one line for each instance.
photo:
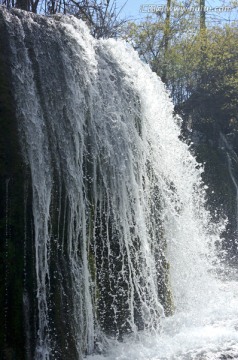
column 191, row 60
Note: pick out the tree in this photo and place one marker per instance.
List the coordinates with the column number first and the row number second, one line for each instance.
column 179, row 48
column 161, row 41
column 215, row 85
column 202, row 15
column 154, row 37
column 166, row 39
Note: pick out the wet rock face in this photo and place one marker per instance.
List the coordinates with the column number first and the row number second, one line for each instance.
column 18, row 303
column 11, row 216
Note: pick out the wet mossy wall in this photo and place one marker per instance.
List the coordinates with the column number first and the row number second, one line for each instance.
column 205, row 143
column 221, row 193
column 15, row 237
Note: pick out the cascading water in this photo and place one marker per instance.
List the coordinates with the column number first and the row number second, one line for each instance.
column 121, row 234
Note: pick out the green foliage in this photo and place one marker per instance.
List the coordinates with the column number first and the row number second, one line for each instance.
column 200, row 67
column 155, row 36
column 207, row 84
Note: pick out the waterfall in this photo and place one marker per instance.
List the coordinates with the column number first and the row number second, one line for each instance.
column 121, row 232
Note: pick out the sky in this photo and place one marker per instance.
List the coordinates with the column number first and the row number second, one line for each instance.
column 132, row 8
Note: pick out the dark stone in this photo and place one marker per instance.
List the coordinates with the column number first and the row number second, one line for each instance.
column 15, row 235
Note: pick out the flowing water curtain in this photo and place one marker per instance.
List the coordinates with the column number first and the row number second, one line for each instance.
column 82, row 136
